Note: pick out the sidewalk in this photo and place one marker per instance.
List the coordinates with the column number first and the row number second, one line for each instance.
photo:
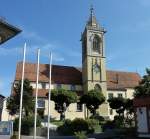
column 4, row 137
column 23, row 137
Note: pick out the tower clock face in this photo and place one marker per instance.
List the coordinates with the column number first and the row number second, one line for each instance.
column 96, row 68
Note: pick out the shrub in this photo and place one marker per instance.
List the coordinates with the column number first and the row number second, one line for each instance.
column 99, row 118
column 119, row 121
column 108, row 125
column 27, row 124
column 77, row 125
column 92, row 124
column 14, row 137
column 41, row 113
column 80, row 135
column 66, row 128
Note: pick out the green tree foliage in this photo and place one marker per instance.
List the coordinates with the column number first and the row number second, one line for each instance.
column 117, row 103
column 27, row 124
column 13, row 102
column 93, row 99
column 143, row 89
column 63, row 98
column 121, row 104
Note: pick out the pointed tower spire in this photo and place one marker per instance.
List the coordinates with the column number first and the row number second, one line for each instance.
column 92, row 22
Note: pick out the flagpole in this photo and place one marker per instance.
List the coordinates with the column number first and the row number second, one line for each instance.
column 36, row 93
column 49, row 94
column 21, row 92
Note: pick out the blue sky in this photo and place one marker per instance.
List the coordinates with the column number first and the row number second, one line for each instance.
column 57, row 25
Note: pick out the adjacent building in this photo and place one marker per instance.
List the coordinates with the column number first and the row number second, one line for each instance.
column 1, row 105
column 7, row 31
column 142, row 115
column 92, row 75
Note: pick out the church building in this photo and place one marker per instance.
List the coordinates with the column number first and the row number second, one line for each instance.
column 92, row 75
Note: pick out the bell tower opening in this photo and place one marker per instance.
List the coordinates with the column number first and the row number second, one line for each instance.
column 96, row 44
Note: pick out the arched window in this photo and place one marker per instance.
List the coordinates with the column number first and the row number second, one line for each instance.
column 96, row 44
column 98, row 88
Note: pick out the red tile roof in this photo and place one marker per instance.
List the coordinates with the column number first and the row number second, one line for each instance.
column 116, row 80
column 60, row 74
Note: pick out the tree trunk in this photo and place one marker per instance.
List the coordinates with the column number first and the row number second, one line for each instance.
column 94, row 112
column 62, row 116
column 26, row 113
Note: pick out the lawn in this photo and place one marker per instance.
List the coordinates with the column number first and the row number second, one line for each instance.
column 56, row 122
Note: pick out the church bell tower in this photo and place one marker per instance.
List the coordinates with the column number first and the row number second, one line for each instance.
column 93, row 58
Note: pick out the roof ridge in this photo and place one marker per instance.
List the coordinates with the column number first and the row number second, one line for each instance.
column 120, row 71
column 20, row 62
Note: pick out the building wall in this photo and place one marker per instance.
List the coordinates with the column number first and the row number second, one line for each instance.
column 54, row 86
column 70, row 113
column 129, row 93
column 125, row 94
column 5, row 115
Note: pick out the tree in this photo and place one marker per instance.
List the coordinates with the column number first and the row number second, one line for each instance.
column 117, row 103
column 121, row 105
column 143, row 89
column 63, row 98
column 13, row 102
column 92, row 99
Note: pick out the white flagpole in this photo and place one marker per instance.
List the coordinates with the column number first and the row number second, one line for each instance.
column 21, row 93
column 49, row 94
column 36, row 95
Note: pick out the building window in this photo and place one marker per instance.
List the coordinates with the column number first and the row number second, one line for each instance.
column 79, row 106
column 96, row 44
column 58, row 86
column 110, row 95
column 41, row 103
column 43, row 85
column 72, row 87
column 120, row 95
column 111, row 111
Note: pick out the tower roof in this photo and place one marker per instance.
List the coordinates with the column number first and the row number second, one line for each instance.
column 92, row 22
